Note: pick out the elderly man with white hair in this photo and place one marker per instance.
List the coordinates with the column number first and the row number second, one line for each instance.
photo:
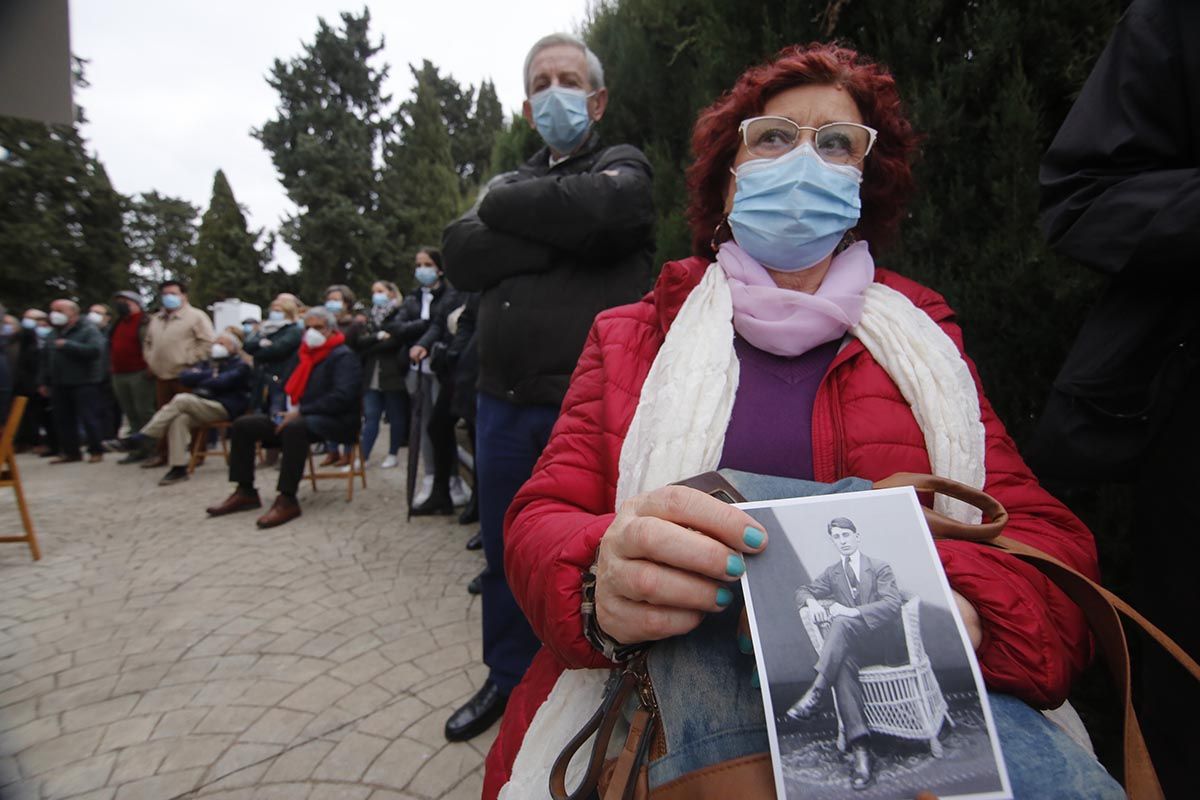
column 324, row 400
column 73, row 368
column 567, row 235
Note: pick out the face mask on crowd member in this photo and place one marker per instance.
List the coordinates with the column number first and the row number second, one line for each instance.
column 334, row 306
column 380, row 298
column 29, row 323
column 565, row 86
column 247, row 328
column 95, row 317
column 275, row 315
column 58, row 319
column 426, row 275
column 314, row 338
column 8, row 329
column 43, row 330
column 219, row 351
column 171, row 302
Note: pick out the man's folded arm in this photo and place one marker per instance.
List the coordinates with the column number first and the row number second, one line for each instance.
column 479, row 257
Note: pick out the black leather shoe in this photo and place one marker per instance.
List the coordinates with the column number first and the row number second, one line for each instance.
column 437, row 503
column 806, row 705
column 861, row 777
column 476, row 585
column 477, row 714
column 476, row 541
column 470, row 514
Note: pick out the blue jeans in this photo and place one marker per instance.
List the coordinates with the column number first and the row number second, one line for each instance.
column 509, row 438
column 375, row 402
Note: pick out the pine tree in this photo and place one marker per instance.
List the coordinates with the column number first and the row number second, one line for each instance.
column 161, row 231
column 421, row 184
column 229, row 262
column 514, row 144
column 323, row 142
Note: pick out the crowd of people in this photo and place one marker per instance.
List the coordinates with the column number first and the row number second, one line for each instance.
column 777, row 348
column 321, row 375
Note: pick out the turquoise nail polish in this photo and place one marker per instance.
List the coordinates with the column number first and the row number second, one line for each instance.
column 753, row 537
column 744, row 644
column 754, row 680
column 735, row 566
column 724, row 597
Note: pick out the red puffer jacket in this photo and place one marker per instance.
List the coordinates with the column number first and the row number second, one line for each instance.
column 1035, row 640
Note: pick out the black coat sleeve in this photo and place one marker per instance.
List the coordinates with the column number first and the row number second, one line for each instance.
column 607, row 211
column 477, row 257
column 346, row 391
column 1121, row 180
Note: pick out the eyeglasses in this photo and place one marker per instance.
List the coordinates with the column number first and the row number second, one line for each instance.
column 836, row 142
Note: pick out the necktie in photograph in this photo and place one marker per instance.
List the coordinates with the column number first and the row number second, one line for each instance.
column 851, row 578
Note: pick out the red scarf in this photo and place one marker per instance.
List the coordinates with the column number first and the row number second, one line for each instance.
column 309, row 358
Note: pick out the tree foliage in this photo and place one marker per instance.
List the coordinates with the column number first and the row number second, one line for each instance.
column 229, row 259
column 161, row 231
column 986, row 83
column 323, row 141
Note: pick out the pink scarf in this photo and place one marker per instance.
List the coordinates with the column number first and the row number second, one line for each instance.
column 787, row 322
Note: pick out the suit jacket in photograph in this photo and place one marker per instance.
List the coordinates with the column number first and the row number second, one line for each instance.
column 879, row 598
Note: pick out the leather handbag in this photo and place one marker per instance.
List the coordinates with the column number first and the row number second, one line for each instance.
column 749, row 774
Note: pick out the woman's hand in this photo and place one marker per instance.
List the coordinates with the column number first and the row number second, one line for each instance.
column 416, row 354
column 970, row 619
column 662, row 562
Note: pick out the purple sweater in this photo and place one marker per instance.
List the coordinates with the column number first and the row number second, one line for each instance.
column 770, row 429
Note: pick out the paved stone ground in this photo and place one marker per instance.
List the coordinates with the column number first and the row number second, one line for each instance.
column 154, row 653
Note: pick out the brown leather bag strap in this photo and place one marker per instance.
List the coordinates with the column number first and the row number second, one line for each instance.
column 601, row 723
column 994, row 515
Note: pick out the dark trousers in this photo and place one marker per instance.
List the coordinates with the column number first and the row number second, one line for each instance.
column 76, row 406
column 37, row 419
column 292, row 441
column 441, row 436
column 509, row 439
column 375, row 402
column 849, row 645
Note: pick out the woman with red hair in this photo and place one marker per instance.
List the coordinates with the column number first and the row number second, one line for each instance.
column 781, row 349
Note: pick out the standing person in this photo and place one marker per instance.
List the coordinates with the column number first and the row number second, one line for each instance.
column 37, row 426
column 570, row 233
column 8, row 360
column 426, row 311
column 383, row 372
column 110, row 413
column 177, row 337
column 325, row 394
column 132, row 381
column 342, row 304
column 1121, row 195
column 74, row 370
column 274, row 345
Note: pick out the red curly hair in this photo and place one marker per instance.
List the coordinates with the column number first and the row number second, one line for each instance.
column 887, row 173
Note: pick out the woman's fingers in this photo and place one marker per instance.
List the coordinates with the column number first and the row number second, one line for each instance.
column 658, row 540
column 628, row 621
column 694, row 509
column 659, row 585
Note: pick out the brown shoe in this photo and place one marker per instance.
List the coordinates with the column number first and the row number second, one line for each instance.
column 284, row 509
column 66, row 459
column 235, row 502
column 329, row 460
column 154, row 462
column 345, row 461
column 95, row 458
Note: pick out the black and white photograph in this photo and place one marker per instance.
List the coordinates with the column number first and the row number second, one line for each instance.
column 870, row 685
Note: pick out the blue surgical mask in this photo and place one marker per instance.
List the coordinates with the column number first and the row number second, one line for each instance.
column 7, row 329
column 380, row 298
column 333, row 306
column 790, row 212
column 561, row 117
column 171, row 301
column 275, row 316
column 44, row 330
column 247, row 329
column 28, row 323
column 426, row 276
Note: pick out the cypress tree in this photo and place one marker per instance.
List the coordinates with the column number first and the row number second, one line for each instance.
column 228, row 260
column 161, row 231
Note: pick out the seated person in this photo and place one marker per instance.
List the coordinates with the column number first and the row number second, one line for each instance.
column 324, row 397
column 218, row 390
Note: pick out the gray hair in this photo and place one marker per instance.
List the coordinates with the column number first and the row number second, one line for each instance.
column 325, row 314
column 595, row 69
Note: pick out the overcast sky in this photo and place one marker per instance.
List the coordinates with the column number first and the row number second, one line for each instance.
column 176, row 85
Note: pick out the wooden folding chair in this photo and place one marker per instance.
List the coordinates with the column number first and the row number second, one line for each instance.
column 357, row 470
column 200, row 448
column 10, row 476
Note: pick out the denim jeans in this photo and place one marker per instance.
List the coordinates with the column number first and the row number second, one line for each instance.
column 375, row 402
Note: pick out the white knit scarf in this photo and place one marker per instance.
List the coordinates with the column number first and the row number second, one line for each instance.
column 678, row 430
